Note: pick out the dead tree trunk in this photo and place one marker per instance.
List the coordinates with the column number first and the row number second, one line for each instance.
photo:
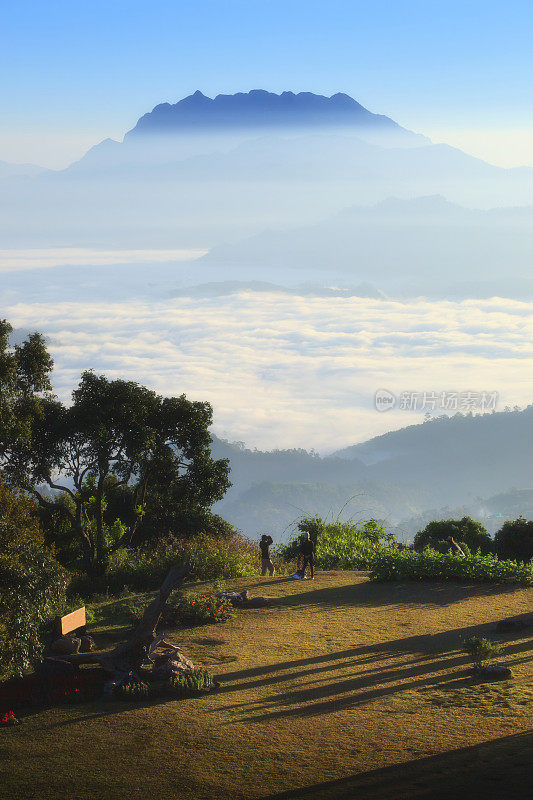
column 125, row 661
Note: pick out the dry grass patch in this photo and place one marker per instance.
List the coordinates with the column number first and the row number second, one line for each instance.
column 331, row 692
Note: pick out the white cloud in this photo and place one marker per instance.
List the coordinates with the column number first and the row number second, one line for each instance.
column 79, row 256
column 285, row 371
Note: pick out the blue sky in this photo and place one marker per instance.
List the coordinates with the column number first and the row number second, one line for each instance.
column 76, row 72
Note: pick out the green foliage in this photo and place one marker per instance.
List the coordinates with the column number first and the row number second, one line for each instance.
column 199, row 680
column 481, row 650
column 133, row 691
column 199, row 609
column 464, row 531
column 196, row 681
column 24, row 382
column 408, row 565
column 135, row 609
column 209, row 558
column 192, row 609
column 32, row 585
column 340, row 545
column 115, row 436
column 515, row 540
column 73, row 602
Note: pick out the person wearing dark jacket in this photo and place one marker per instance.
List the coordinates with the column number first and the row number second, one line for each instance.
column 307, row 550
column 266, row 561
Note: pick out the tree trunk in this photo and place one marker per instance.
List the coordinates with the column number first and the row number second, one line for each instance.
column 101, row 555
column 126, row 660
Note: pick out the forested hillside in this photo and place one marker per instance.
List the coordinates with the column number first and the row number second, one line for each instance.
column 462, row 462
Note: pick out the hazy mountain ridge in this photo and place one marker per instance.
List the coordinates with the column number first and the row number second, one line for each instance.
column 259, row 109
column 212, row 183
column 470, row 252
column 471, row 464
column 8, row 170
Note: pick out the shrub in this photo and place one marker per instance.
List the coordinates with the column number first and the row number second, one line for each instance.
column 32, row 585
column 209, row 557
column 198, row 680
column 199, row 609
column 481, row 649
column 341, row 545
column 515, row 540
column 8, row 718
column 133, row 691
column 73, row 603
column 135, row 609
column 407, row 565
column 465, row 531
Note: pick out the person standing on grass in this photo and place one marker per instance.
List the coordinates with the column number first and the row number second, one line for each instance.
column 307, row 550
column 266, row 561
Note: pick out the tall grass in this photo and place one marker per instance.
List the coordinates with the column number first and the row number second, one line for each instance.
column 341, row 545
column 209, row 558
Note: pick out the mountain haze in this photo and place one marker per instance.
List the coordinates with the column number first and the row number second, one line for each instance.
column 202, row 172
column 477, row 464
column 425, row 245
column 259, row 109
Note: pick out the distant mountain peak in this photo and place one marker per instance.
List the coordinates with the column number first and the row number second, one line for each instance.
column 260, row 109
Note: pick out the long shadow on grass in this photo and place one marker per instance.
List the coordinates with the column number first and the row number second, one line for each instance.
column 370, row 681
column 353, row 692
column 423, row 645
column 492, row 770
column 370, row 593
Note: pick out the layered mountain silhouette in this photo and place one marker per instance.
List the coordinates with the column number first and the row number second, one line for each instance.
column 259, row 109
column 424, row 245
column 453, row 465
column 232, row 166
column 19, row 170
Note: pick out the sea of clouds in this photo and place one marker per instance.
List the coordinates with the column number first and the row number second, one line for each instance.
column 284, row 370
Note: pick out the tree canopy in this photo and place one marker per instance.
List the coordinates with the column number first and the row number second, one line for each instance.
column 116, row 435
column 32, row 583
column 515, row 540
column 463, row 531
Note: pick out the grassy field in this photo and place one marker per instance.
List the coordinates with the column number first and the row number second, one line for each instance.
column 342, row 688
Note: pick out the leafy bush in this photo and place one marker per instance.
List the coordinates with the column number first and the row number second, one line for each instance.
column 515, row 540
column 32, row 585
column 8, row 718
column 198, row 680
column 199, row 609
column 135, row 609
column 407, row 565
column 209, row 557
column 465, row 531
column 481, row 649
column 133, row 691
column 341, row 545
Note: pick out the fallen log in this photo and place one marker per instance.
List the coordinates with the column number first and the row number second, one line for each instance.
column 125, row 662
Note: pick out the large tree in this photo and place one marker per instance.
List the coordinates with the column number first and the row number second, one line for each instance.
column 515, row 540
column 24, row 381
column 467, row 531
column 32, row 583
column 114, row 434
